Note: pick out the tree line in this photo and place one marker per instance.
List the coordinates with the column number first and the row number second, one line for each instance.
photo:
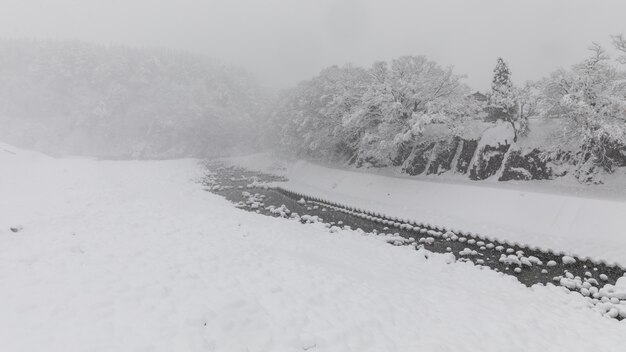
column 355, row 114
column 79, row 98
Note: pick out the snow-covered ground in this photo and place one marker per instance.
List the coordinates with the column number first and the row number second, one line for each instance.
column 134, row 256
column 585, row 224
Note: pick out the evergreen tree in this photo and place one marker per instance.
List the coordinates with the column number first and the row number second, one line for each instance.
column 501, row 83
column 503, row 104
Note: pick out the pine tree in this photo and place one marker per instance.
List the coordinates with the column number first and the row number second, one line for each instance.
column 501, row 83
column 502, row 100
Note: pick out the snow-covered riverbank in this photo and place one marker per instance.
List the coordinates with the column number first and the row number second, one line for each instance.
column 585, row 225
column 134, row 256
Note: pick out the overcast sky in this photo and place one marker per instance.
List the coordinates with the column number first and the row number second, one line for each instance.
column 285, row 41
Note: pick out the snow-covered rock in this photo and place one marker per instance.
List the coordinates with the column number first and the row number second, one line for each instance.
column 568, row 260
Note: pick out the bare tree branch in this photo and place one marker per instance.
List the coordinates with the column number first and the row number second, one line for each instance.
column 620, row 44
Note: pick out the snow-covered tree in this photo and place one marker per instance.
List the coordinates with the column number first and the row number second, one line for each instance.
column 310, row 117
column 591, row 98
column 501, row 85
column 405, row 96
column 528, row 100
column 369, row 115
column 619, row 41
column 504, row 100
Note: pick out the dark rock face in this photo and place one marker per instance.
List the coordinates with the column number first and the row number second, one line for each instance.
column 622, row 158
column 462, row 156
column 443, row 155
column 371, row 162
column 615, row 157
column 468, row 148
column 418, row 160
column 488, row 161
column 404, row 152
column 435, row 158
column 529, row 166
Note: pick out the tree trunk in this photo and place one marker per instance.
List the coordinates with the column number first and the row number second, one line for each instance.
column 514, row 131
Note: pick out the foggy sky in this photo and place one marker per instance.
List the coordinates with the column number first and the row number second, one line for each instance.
column 285, row 41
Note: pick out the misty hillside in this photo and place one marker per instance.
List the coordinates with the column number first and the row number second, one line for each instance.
column 78, row 98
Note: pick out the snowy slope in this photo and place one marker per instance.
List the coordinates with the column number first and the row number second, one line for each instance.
column 134, row 256
column 594, row 227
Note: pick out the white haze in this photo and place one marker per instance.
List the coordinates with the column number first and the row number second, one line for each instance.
column 285, row 41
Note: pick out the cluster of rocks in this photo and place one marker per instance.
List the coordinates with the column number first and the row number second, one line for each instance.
column 608, row 300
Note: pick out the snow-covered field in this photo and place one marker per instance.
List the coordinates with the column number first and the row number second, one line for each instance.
column 134, row 256
column 587, row 225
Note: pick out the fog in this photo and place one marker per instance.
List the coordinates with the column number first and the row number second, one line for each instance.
column 165, row 79
column 285, row 41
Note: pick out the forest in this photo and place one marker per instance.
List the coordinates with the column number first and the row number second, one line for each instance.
column 77, row 98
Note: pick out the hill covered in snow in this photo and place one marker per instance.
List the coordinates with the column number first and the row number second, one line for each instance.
column 85, row 99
